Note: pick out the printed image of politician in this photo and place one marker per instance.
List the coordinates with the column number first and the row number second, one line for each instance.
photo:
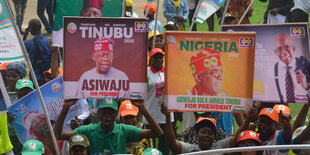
column 103, row 80
column 290, row 72
column 92, row 8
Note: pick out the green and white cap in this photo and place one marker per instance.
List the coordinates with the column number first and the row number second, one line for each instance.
column 33, row 147
column 22, row 83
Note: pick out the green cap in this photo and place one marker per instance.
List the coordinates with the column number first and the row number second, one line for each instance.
column 22, row 83
column 33, row 147
column 78, row 140
column 200, row 113
column 151, row 151
column 108, row 103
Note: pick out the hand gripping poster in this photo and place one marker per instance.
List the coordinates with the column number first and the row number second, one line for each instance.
column 282, row 67
column 209, row 71
column 105, row 58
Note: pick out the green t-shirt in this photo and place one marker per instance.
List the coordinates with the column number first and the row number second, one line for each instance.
column 113, row 142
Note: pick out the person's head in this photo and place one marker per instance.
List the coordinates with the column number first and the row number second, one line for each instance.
column 171, row 26
column 284, row 48
column 152, row 10
column 79, row 145
column 157, row 58
column 248, row 138
column 108, row 110
column 207, row 71
column 267, row 123
column 158, row 41
column 151, row 151
column 285, row 111
column 15, row 71
column 296, row 134
column 128, row 8
column 33, row 147
column 129, row 113
column 205, row 131
column 35, row 26
column 92, row 8
column 48, row 74
column 103, row 54
column 23, row 87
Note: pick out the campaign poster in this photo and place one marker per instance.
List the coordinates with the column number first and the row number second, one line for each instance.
column 105, row 58
column 85, row 8
column 282, row 68
column 10, row 49
column 30, row 121
column 209, row 71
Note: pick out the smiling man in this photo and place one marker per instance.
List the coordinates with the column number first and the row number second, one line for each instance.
column 103, row 80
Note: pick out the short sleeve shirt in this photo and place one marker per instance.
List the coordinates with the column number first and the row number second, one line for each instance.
column 186, row 147
column 113, row 142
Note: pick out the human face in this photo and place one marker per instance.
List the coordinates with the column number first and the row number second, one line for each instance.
column 130, row 120
column 103, row 61
column 158, row 43
column 11, row 78
column 266, row 127
column 78, row 150
column 107, row 116
column 205, row 137
column 157, row 61
column 23, row 92
column 211, row 80
column 92, row 12
column 284, row 48
column 246, row 143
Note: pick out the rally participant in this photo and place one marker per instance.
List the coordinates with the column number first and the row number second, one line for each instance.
column 92, row 8
column 248, row 138
column 79, row 144
column 151, row 151
column 285, row 111
column 158, row 42
column 129, row 116
column 49, row 76
column 23, row 87
column 113, row 137
column 2, row 71
column 33, row 147
column 6, row 147
column 150, row 15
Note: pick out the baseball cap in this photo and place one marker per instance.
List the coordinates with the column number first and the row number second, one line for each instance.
column 203, row 121
column 108, row 103
column 23, row 83
column 280, row 107
column 247, row 134
column 33, row 147
column 78, row 140
column 151, row 34
column 156, row 50
column 152, row 9
column 129, row 2
column 3, row 66
column 50, row 71
column 127, row 108
column 171, row 24
column 270, row 113
column 151, row 151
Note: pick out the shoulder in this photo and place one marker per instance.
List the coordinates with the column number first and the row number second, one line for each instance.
column 116, row 72
column 89, row 72
column 86, row 128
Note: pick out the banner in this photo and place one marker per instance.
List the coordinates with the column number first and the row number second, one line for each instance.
column 208, row 8
column 103, row 8
column 9, row 46
column 30, row 121
column 282, row 68
column 110, row 59
column 209, row 71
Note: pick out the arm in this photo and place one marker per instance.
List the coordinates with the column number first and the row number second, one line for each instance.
column 60, row 121
column 175, row 146
column 239, row 118
column 185, row 12
column 301, row 118
column 155, row 129
column 54, row 61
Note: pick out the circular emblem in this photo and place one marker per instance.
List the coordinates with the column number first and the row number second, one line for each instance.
column 252, row 134
column 242, row 134
column 171, row 40
column 71, row 27
column 281, row 107
column 56, row 87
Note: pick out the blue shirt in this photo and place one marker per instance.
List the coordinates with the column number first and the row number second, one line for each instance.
column 170, row 11
column 46, row 53
column 159, row 28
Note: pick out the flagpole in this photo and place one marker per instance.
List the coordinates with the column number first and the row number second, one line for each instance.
column 223, row 16
column 246, row 11
column 154, row 37
column 33, row 77
column 195, row 15
column 5, row 95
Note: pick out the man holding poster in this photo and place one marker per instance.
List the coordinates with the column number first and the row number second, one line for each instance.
column 103, row 77
column 290, row 72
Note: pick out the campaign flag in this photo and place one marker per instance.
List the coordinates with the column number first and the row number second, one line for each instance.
column 102, row 8
column 110, row 59
column 9, row 46
column 207, row 8
column 209, row 71
column 282, row 67
column 30, row 121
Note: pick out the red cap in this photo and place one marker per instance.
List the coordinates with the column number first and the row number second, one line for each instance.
column 247, row 134
column 127, row 108
column 103, row 44
column 270, row 113
column 93, row 3
column 156, row 50
column 50, row 71
column 280, row 107
column 152, row 9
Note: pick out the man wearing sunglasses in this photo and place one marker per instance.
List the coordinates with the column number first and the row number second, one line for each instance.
column 290, row 72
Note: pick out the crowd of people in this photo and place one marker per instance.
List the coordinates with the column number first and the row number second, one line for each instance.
column 132, row 126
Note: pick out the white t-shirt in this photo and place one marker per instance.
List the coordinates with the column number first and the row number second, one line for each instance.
column 303, row 5
column 113, row 75
column 224, row 143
